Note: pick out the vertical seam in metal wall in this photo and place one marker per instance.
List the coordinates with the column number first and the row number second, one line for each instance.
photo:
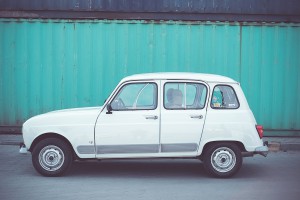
column 240, row 53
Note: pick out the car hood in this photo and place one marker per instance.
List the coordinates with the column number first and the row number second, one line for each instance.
column 65, row 117
column 72, row 110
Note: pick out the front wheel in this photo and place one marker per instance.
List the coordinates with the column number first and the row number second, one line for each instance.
column 222, row 159
column 52, row 157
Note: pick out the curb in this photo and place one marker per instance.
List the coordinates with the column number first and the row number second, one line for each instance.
column 277, row 146
column 290, row 147
column 10, row 139
column 10, row 143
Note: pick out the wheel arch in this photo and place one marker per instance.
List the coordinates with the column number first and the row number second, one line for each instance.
column 52, row 135
column 238, row 143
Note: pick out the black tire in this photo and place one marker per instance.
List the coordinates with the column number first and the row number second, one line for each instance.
column 222, row 160
column 52, row 157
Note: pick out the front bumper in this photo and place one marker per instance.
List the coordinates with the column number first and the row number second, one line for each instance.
column 23, row 149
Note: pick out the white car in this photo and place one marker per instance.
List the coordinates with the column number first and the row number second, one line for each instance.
column 158, row 115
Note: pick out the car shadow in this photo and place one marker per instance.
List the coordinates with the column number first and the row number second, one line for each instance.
column 160, row 168
column 139, row 168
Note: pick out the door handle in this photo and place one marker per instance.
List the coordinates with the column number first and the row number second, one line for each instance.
column 196, row 116
column 151, row 117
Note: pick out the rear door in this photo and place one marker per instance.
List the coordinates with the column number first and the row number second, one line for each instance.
column 183, row 113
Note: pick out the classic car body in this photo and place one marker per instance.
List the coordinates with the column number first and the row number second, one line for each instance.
column 158, row 115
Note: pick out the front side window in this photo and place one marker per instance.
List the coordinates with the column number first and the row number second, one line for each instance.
column 184, row 95
column 224, row 97
column 136, row 96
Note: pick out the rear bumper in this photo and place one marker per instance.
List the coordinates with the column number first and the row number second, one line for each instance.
column 262, row 150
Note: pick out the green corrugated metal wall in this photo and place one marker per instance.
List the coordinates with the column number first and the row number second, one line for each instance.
column 54, row 64
column 271, row 75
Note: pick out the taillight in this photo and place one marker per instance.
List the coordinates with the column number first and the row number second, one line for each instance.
column 260, row 130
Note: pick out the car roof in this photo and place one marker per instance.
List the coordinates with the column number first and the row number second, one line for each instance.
column 180, row 76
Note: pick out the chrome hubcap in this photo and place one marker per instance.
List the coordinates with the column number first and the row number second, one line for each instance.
column 223, row 159
column 51, row 158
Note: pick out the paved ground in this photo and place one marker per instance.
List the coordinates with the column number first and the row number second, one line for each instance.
column 274, row 177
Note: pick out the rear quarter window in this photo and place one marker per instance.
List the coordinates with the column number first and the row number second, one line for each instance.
column 224, row 97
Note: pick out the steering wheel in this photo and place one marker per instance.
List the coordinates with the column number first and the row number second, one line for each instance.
column 120, row 103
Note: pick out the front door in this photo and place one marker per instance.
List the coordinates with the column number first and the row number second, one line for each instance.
column 132, row 127
column 183, row 113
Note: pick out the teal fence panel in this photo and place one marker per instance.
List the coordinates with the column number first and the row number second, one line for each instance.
column 271, row 76
column 54, row 64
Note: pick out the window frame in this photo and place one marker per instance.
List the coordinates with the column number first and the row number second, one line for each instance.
column 136, row 109
column 184, row 82
column 224, row 108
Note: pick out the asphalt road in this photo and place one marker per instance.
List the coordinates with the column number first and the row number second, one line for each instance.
column 274, row 177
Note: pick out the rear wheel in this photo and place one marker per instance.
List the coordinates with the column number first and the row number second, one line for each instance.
column 52, row 157
column 222, row 159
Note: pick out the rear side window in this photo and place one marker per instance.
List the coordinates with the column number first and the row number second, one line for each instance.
column 224, row 97
column 184, row 95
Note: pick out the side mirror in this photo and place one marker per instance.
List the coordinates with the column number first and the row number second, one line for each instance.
column 109, row 109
